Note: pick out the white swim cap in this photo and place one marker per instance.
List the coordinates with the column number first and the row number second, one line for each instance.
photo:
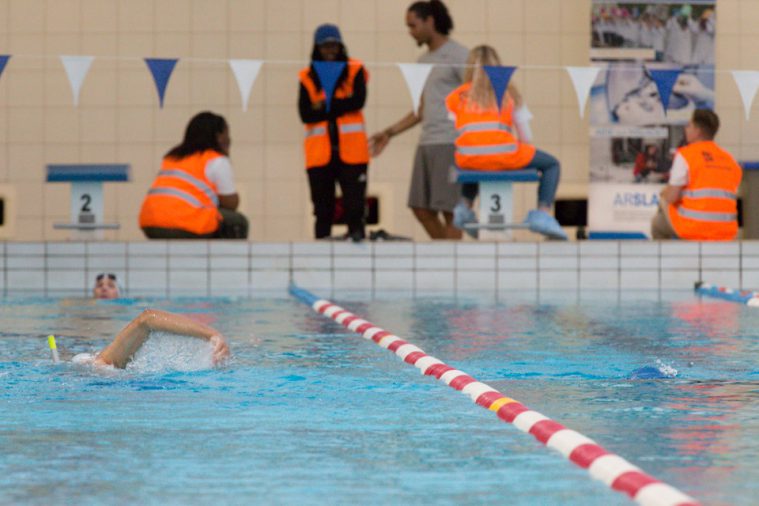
column 83, row 359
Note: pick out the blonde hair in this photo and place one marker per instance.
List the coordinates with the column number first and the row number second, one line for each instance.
column 481, row 95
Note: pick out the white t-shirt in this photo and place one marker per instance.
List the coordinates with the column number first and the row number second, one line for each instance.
column 679, row 173
column 219, row 172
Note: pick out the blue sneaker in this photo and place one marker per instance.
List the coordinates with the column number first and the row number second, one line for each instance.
column 463, row 214
column 543, row 223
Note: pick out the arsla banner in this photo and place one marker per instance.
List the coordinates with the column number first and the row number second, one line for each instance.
column 656, row 66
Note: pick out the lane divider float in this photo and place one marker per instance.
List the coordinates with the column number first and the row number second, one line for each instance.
column 721, row 292
column 616, row 472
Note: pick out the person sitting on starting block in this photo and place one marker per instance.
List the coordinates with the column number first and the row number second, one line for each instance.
column 488, row 141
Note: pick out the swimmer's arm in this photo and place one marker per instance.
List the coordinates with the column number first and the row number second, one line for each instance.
column 129, row 340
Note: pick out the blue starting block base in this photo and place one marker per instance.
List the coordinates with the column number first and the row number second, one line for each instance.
column 496, row 213
column 87, row 195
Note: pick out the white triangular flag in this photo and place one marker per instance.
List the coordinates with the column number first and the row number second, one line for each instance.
column 583, row 79
column 76, row 70
column 415, row 75
column 748, row 83
column 245, row 72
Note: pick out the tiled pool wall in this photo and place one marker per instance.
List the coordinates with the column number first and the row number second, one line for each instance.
column 232, row 268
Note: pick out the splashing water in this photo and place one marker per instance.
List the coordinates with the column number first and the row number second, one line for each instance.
column 666, row 369
column 162, row 352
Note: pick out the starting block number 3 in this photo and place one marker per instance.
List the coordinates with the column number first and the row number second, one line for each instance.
column 495, row 203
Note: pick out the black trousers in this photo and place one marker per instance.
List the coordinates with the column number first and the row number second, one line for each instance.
column 233, row 225
column 352, row 180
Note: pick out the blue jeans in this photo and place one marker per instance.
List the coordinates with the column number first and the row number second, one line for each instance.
column 549, row 169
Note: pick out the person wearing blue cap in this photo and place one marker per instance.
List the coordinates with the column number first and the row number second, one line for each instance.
column 336, row 147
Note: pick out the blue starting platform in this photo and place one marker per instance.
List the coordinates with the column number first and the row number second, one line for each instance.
column 87, row 216
column 496, row 212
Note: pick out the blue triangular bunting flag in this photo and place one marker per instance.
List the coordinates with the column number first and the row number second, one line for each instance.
column 328, row 73
column 665, row 80
column 499, row 79
column 161, row 68
column 3, row 62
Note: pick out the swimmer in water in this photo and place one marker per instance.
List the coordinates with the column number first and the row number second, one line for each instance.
column 106, row 287
column 123, row 348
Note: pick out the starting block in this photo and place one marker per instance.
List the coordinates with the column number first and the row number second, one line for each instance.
column 87, row 195
column 496, row 213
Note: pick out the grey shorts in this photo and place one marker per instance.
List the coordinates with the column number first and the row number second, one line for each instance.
column 431, row 187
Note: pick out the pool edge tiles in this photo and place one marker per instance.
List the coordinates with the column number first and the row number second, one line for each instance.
column 250, row 269
column 613, row 470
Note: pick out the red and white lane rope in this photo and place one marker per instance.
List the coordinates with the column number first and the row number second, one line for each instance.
column 602, row 465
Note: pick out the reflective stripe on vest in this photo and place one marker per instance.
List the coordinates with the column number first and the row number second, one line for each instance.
column 710, row 193
column 707, row 216
column 173, row 192
column 316, row 131
column 197, row 183
column 351, row 128
column 485, row 126
column 495, row 149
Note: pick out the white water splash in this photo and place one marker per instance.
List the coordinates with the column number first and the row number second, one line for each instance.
column 666, row 369
column 164, row 352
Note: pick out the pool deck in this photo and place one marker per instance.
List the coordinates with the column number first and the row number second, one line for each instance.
column 245, row 269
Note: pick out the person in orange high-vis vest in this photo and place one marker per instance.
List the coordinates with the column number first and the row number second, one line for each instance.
column 193, row 196
column 700, row 202
column 335, row 146
column 490, row 138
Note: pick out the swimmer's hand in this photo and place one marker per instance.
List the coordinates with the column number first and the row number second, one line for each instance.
column 220, row 349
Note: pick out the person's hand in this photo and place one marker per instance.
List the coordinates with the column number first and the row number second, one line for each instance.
column 318, row 106
column 378, row 142
column 689, row 85
column 220, row 349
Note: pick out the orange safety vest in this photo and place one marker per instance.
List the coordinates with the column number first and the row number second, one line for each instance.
column 708, row 210
column 181, row 197
column 354, row 148
column 486, row 139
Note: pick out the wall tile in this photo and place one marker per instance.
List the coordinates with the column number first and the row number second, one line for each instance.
column 395, row 263
column 599, row 279
column 558, row 280
column 679, row 263
column 400, row 249
column 394, row 280
column 639, row 280
column 679, row 279
column 229, row 283
column 353, row 280
column 432, row 281
column 23, row 280
column 68, row 279
column 312, row 262
column 310, row 279
column 190, row 263
column 154, row 281
column 229, row 263
column 188, row 283
column 476, row 281
column 729, row 278
column 517, row 280
column 268, row 281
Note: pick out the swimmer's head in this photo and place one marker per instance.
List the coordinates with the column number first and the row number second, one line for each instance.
column 83, row 359
column 106, row 286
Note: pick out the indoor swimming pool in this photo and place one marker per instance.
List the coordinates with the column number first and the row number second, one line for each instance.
column 307, row 412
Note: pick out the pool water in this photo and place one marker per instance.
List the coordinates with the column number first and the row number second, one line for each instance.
column 309, row 413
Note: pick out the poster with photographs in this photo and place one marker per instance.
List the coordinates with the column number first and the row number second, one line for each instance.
column 633, row 137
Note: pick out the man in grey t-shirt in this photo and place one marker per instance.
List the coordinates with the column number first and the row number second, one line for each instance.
column 431, row 193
